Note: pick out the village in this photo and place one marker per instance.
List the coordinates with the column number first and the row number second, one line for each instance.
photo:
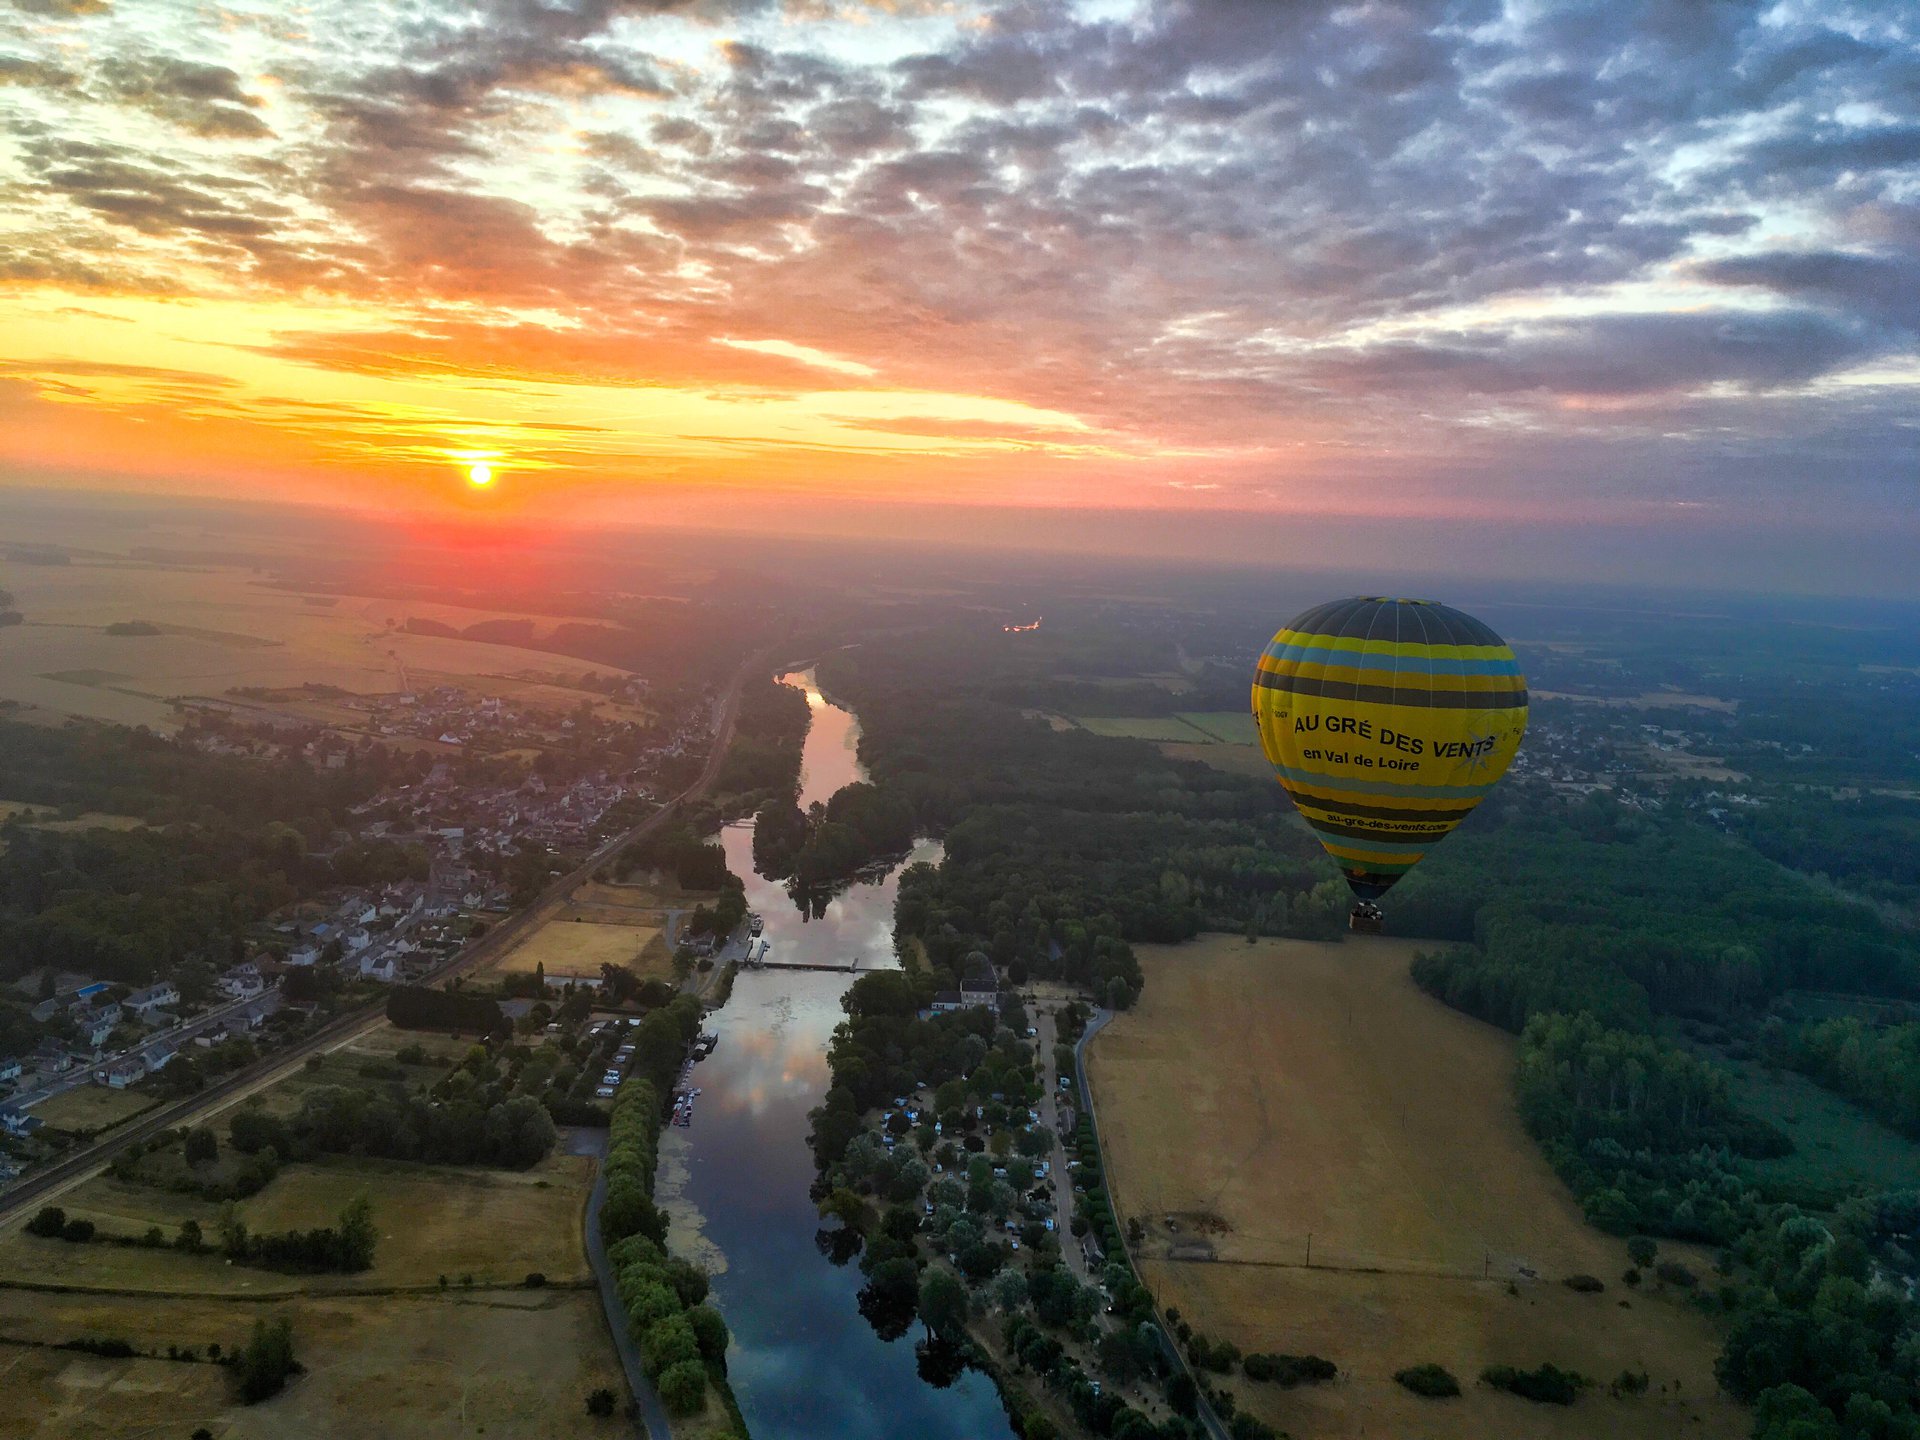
column 485, row 833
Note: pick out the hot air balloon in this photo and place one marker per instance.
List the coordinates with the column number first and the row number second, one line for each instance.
column 1387, row 721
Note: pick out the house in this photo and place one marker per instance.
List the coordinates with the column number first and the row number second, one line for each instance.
column 95, row 1025
column 16, row 1121
column 123, row 1073
column 158, row 1057
column 9, row 1069
column 243, row 981
column 980, row 990
column 559, row 980
column 358, row 940
column 377, row 968
column 52, row 1055
column 153, row 997
column 945, row 1001
column 306, row 955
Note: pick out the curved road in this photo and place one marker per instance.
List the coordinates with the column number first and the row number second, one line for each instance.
column 57, row 1179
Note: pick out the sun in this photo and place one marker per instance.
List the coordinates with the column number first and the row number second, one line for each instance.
column 480, row 474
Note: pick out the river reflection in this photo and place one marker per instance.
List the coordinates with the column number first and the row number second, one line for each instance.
column 804, row 1364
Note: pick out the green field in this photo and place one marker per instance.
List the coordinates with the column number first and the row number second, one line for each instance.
column 1838, row 1147
column 1140, row 727
column 1229, row 727
column 1216, row 727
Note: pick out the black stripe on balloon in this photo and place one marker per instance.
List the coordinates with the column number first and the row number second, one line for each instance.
column 1388, row 695
column 1373, row 812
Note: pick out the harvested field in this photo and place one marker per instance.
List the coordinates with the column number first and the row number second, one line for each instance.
column 1261, row 1094
column 507, row 1363
column 581, row 947
column 496, row 1225
column 93, row 1107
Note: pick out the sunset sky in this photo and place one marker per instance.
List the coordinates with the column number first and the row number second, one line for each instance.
column 1647, row 268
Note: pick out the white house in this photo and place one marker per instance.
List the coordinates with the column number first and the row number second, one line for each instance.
column 123, row 1073
column 358, row 940
column 95, row 1025
column 158, row 1057
column 377, row 969
column 154, row 997
column 243, row 981
column 9, row 1069
column 304, row 956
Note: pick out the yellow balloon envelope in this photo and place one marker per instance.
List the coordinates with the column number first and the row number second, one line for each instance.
column 1387, row 721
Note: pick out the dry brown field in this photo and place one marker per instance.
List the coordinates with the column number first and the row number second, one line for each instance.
column 1261, row 1094
column 581, row 947
column 92, row 1107
column 511, row 1363
column 496, row 1225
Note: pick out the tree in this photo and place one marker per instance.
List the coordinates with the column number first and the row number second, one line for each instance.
column 201, row 1147
column 1641, row 1250
column 668, row 1342
column 683, row 1388
column 710, row 1332
column 600, row 1404
column 1792, row 1414
column 48, row 1222
column 266, row 1361
column 357, row 1234
column 1183, row 1395
column 943, row 1303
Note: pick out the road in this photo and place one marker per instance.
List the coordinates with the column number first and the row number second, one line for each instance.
column 653, row 1415
column 1061, row 1176
column 57, row 1179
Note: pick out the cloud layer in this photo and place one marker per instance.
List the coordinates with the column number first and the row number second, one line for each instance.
column 1227, row 252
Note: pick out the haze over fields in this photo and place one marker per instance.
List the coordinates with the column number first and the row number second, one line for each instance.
column 1619, row 291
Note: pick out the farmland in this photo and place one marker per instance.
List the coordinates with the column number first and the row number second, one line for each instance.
column 433, row 1220
column 92, row 1107
column 1226, row 740
column 576, row 947
column 601, row 924
column 218, row 630
column 1263, row 1094
column 513, row 1363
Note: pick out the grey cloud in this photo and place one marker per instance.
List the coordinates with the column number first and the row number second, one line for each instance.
column 1621, row 355
column 1886, row 287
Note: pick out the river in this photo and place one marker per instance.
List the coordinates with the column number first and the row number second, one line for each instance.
column 804, row 1364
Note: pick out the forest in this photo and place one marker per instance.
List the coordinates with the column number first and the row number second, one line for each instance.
column 1062, row 848
column 225, row 842
column 1599, row 931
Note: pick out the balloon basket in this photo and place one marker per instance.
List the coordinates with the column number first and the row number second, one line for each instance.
column 1366, row 919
